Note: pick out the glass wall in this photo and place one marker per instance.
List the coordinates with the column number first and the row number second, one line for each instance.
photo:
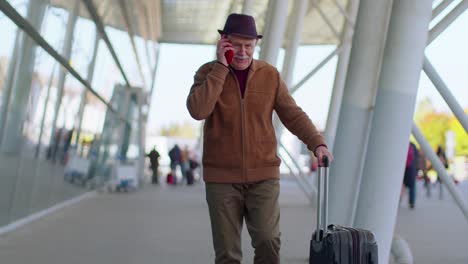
column 57, row 138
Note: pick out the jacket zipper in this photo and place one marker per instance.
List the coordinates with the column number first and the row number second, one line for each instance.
column 244, row 170
column 249, row 75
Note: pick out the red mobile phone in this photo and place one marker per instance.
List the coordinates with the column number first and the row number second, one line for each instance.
column 229, row 54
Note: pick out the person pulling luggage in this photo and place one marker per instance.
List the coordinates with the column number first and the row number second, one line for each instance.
column 240, row 163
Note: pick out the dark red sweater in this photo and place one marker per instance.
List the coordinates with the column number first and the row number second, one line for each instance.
column 242, row 78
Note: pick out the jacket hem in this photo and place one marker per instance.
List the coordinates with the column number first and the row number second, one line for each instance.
column 234, row 175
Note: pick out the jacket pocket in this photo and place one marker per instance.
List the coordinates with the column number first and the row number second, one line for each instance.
column 265, row 153
column 219, row 152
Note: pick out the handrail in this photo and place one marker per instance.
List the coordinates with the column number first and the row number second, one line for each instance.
column 300, row 178
column 298, row 168
column 309, row 195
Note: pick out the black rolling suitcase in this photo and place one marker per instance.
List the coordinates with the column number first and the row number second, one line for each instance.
column 337, row 244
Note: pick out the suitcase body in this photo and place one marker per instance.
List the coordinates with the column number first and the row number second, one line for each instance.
column 336, row 244
column 170, row 178
column 344, row 245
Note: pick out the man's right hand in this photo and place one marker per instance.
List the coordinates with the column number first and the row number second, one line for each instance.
column 223, row 45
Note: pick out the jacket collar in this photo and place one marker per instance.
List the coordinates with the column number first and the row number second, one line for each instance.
column 256, row 65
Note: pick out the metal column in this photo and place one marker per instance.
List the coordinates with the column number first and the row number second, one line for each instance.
column 141, row 131
column 153, row 74
column 91, row 66
column 44, row 111
column 440, row 8
column 273, row 39
column 444, row 91
column 457, row 195
column 248, row 7
column 447, row 20
column 9, row 83
column 340, row 75
column 293, row 40
column 391, row 125
column 21, row 86
column 357, row 106
column 66, row 52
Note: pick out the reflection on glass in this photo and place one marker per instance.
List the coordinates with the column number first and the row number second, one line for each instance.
column 54, row 27
column 9, row 164
column 56, row 137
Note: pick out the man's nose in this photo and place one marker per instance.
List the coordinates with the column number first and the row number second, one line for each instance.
column 242, row 50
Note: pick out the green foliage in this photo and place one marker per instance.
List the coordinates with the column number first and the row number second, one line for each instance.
column 461, row 137
column 434, row 126
column 184, row 130
column 424, row 107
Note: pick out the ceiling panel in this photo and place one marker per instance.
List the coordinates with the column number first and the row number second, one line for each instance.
column 197, row 21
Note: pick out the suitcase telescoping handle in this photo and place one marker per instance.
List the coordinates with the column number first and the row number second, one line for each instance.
column 322, row 173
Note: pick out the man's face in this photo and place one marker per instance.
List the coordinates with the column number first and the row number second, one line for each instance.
column 243, row 51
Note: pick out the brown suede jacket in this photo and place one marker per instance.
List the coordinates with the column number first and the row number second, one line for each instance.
column 239, row 139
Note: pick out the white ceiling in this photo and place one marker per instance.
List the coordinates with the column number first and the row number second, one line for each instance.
column 197, row 21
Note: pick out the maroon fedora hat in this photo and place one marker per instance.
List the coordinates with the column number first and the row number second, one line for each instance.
column 240, row 25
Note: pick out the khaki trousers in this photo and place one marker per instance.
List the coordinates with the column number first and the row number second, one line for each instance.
column 257, row 203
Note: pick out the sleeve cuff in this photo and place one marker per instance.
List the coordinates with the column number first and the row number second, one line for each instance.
column 220, row 70
column 221, row 63
column 320, row 145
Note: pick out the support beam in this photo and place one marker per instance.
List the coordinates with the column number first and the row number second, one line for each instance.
column 348, row 15
column 27, row 27
column 66, row 53
column 267, row 18
column 100, row 27
column 340, row 75
column 356, row 111
column 445, row 93
column 325, row 18
column 293, row 40
column 154, row 18
column 431, row 71
column 391, row 123
column 447, row 20
column 441, row 171
column 273, row 39
column 131, row 35
column 248, row 7
column 22, row 80
column 153, row 81
column 440, row 8
column 141, row 134
column 344, row 41
column 9, row 83
column 83, row 100
column 44, row 111
column 316, row 69
column 145, row 29
column 154, row 15
column 301, row 177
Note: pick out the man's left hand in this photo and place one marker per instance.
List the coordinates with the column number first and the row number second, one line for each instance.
column 322, row 151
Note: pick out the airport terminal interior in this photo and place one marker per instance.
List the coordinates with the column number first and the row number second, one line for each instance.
column 84, row 87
